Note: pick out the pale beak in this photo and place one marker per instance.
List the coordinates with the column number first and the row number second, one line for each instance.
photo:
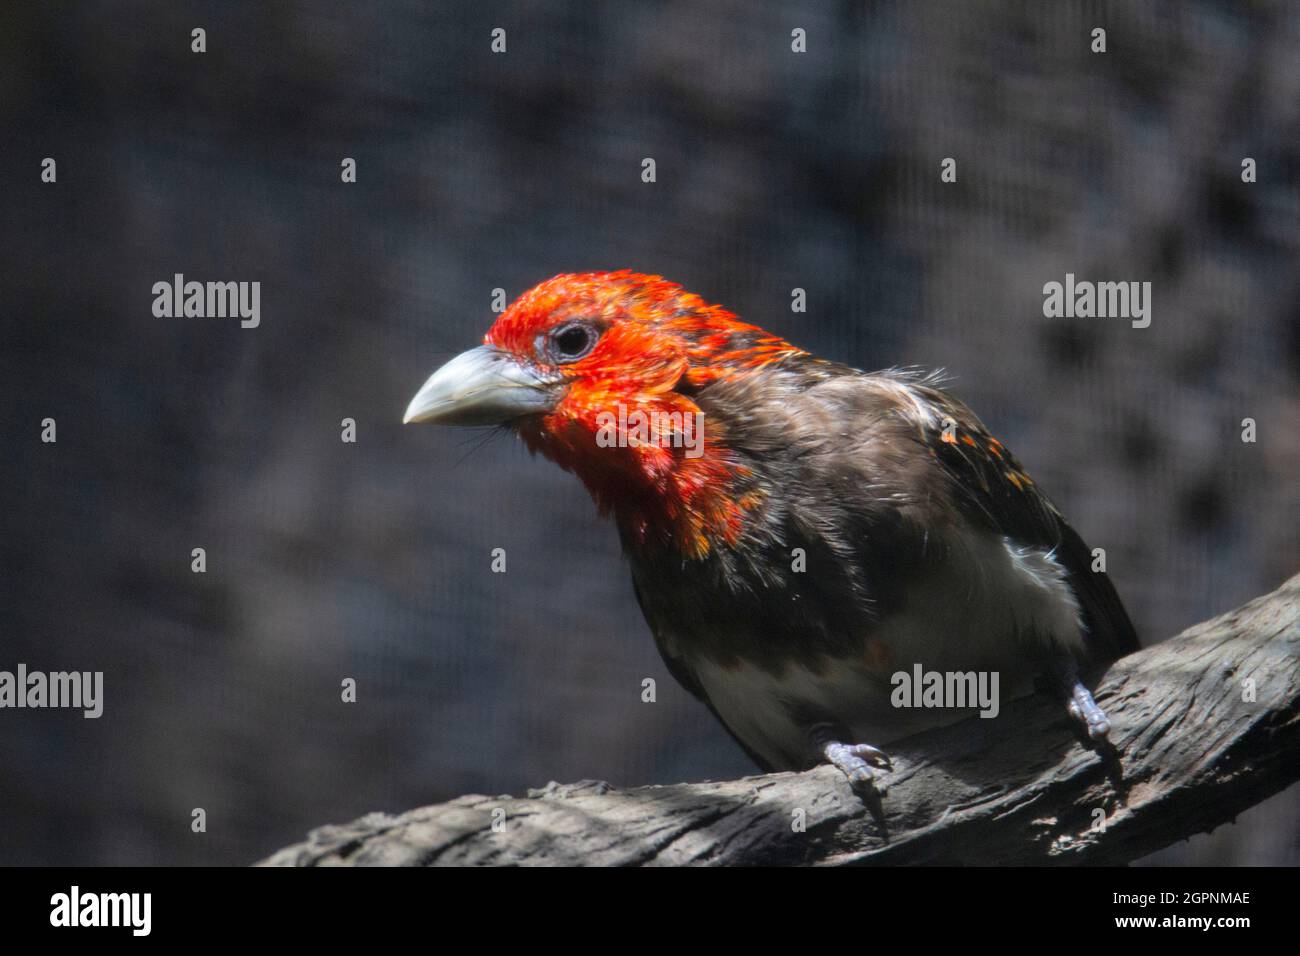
column 483, row 386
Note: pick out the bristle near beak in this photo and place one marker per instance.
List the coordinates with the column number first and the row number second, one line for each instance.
column 483, row 386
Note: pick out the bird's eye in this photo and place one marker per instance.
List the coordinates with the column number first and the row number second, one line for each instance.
column 570, row 342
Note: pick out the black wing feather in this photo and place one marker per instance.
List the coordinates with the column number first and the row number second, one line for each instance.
column 994, row 490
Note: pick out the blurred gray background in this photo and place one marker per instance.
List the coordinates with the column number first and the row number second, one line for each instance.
column 475, row 171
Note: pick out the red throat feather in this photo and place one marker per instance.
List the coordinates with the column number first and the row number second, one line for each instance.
column 658, row 345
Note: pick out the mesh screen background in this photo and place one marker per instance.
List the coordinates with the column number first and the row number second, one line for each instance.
column 475, row 171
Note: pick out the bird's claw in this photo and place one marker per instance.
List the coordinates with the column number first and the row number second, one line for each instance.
column 1084, row 709
column 855, row 762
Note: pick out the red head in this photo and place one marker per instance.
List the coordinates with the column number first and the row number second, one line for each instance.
column 598, row 372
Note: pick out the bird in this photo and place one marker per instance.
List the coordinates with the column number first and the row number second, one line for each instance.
column 799, row 533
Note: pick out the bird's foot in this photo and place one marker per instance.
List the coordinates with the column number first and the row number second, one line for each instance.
column 1085, row 710
column 855, row 762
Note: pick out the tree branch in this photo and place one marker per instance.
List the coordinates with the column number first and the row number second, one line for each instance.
column 1190, row 754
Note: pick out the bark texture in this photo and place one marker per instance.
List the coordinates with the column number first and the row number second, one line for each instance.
column 1204, row 725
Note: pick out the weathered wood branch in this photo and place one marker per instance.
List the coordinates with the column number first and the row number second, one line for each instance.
column 1192, row 750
